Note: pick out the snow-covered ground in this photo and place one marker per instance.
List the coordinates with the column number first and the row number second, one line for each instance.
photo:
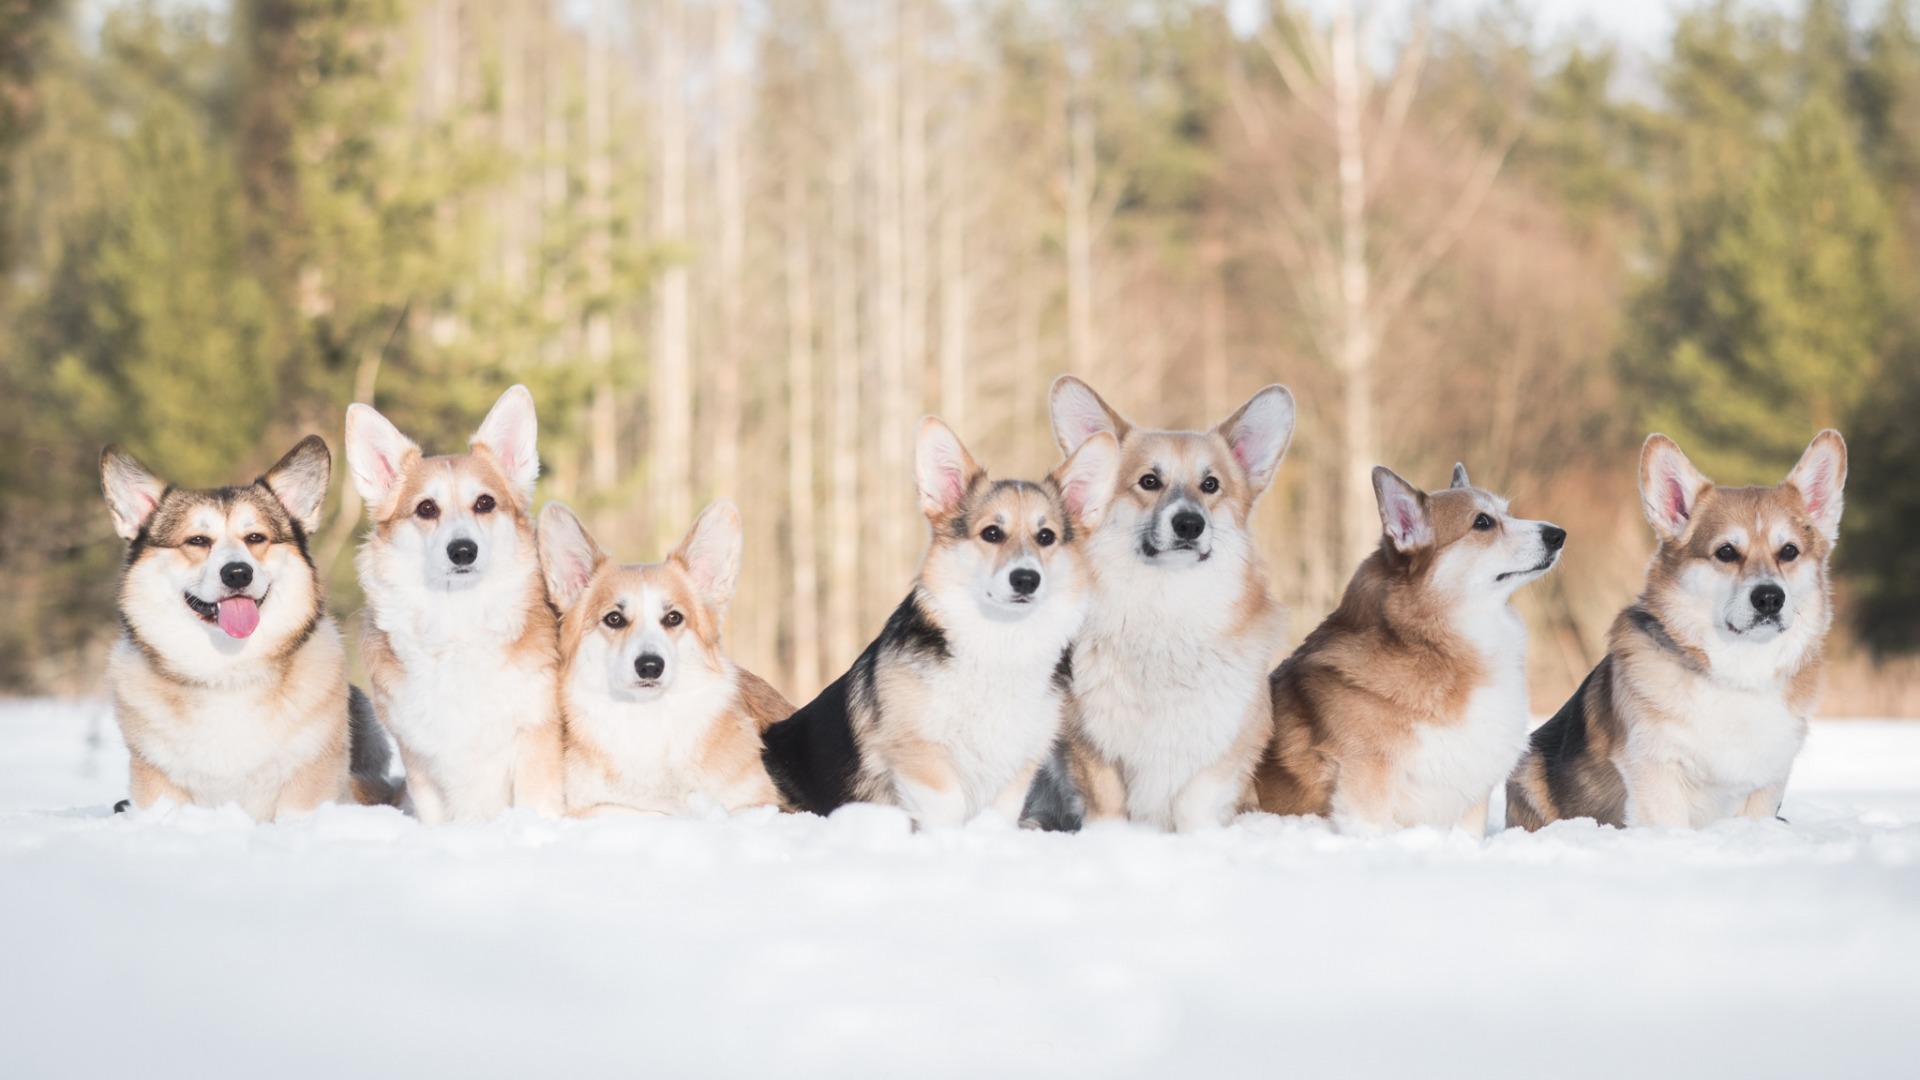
column 359, row 943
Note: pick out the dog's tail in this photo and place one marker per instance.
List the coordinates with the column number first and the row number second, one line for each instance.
column 1053, row 803
column 370, row 755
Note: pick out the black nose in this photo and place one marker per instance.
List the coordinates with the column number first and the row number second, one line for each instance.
column 1188, row 525
column 649, row 666
column 1024, row 581
column 236, row 575
column 463, row 552
column 1553, row 536
column 1768, row 599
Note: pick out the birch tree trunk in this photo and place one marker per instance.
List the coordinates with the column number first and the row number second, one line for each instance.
column 730, row 184
column 599, row 253
column 1359, row 515
column 672, row 382
column 805, row 613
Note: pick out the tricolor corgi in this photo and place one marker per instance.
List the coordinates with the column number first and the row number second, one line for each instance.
column 229, row 681
column 1408, row 705
column 460, row 642
column 951, row 710
column 655, row 712
column 1701, row 703
column 1169, row 705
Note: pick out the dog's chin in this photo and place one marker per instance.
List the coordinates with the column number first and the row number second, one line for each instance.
column 454, row 578
column 1758, row 632
column 1522, row 576
column 639, row 692
column 1007, row 608
column 1179, row 556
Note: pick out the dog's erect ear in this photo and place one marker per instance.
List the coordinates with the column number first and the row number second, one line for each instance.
column 510, row 433
column 568, row 556
column 131, row 489
column 1259, row 434
column 1460, row 476
column 1670, row 487
column 1087, row 479
column 1078, row 414
column 1819, row 478
column 376, row 454
column 711, row 552
column 1403, row 511
column 943, row 469
column 300, row 480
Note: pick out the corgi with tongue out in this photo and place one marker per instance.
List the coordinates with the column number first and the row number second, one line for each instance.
column 230, row 681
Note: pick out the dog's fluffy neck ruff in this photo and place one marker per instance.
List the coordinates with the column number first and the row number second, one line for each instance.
column 1698, row 642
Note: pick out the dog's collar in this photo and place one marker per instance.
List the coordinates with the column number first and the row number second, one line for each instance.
column 1650, row 626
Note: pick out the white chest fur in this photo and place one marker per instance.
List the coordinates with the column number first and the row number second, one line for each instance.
column 1161, row 688
column 1718, row 744
column 1451, row 768
column 463, row 699
column 993, row 705
column 653, row 748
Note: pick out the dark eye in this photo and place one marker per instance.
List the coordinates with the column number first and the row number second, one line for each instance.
column 1482, row 522
column 672, row 619
column 427, row 509
column 615, row 620
column 1789, row 553
column 1727, row 553
column 1210, row 485
column 483, row 505
column 256, row 538
column 993, row 534
column 1150, row 482
column 199, row 541
column 1045, row 537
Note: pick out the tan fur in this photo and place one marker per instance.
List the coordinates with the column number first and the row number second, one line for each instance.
column 652, row 775
column 490, row 739
column 261, row 721
column 1657, row 733
column 1211, row 628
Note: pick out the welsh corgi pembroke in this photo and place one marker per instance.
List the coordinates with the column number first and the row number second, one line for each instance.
column 1408, row 705
column 1169, row 684
column 460, row 642
column 655, row 712
column 951, row 710
column 1702, row 701
column 229, row 681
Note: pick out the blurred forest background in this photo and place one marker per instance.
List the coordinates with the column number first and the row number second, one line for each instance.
column 737, row 247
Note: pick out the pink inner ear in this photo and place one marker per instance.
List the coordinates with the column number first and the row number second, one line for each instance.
column 1676, row 501
column 1817, row 493
column 1405, row 520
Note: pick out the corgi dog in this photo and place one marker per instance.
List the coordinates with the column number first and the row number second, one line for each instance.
column 1170, row 709
column 460, row 642
column 952, row 708
column 654, row 711
column 1408, row 705
column 1701, row 703
column 229, row 680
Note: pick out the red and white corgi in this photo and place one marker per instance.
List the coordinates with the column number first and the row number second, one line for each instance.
column 460, row 643
column 656, row 713
column 1170, row 707
column 1702, row 701
column 1408, row 705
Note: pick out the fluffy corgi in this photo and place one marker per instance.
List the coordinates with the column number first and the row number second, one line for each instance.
column 951, row 710
column 1701, row 703
column 229, row 681
column 1169, row 684
column 655, row 712
column 460, row 642
column 1408, row 705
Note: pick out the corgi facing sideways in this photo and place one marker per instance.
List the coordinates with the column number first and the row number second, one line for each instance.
column 951, row 710
column 654, row 710
column 230, row 680
column 1408, row 705
column 1169, row 705
column 1701, row 703
column 460, row 643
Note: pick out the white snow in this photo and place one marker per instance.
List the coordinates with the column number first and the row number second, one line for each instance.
column 191, row 942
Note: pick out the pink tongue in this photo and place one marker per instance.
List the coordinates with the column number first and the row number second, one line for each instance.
column 239, row 616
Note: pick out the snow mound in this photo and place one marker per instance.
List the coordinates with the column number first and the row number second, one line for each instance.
column 192, row 942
